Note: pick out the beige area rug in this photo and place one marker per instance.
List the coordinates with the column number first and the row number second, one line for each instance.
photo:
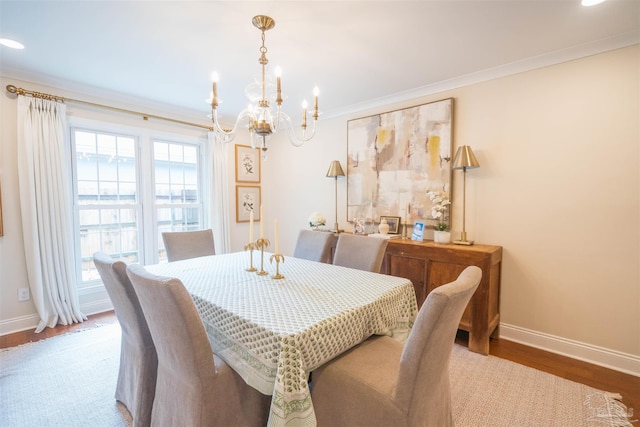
column 489, row 391
column 70, row 381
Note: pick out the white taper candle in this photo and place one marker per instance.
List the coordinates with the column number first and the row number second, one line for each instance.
column 261, row 223
column 251, row 227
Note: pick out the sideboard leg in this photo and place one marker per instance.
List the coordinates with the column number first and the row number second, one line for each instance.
column 479, row 343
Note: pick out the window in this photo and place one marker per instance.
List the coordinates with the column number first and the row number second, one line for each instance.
column 177, row 203
column 114, row 212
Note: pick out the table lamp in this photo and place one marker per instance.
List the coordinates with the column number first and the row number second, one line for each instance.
column 464, row 159
column 335, row 170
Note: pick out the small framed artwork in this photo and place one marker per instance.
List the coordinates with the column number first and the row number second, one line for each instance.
column 418, row 231
column 247, row 200
column 247, row 164
column 394, row 223
column 359, row 226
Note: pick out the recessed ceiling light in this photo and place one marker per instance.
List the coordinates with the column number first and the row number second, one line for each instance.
column 591, row 2
column 11, row 43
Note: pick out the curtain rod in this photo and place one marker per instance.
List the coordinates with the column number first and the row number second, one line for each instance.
column 25, row 92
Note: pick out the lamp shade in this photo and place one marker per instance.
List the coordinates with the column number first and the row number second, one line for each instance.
column 465, row 159
column 335, row 170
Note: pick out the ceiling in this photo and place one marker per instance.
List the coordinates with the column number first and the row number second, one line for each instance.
column 356, row 52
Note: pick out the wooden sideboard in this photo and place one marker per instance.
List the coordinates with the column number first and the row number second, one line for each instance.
column 429, row 265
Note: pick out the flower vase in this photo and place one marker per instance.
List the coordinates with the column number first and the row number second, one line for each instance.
column 443, row 237
column 383, row 228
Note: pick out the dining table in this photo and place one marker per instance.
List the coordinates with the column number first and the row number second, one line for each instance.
column 275, row 332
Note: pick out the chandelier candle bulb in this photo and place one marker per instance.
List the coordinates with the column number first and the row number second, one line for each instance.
column 278, row 73
column 304, row 114
column 214, row 90
column 316, row 92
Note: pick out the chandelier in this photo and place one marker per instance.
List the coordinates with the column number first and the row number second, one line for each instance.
column 262, row 121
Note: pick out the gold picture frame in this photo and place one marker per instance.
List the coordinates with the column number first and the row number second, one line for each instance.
column 394, row 223
column 247, row 164
column 247, row 200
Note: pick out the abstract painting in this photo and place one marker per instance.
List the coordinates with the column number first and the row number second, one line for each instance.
column 395, row 158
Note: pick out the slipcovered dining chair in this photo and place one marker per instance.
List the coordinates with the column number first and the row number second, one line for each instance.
column 194, row 387
column 136, row 384
column 188, row 244
column 313, row 245
column 380, row 382
column 360, row 252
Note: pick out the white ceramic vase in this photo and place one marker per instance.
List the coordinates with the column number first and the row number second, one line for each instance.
column 383, row 228
column 442, row 236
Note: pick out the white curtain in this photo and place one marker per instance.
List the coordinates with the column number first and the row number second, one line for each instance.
column 45, row 202
column 219, row 197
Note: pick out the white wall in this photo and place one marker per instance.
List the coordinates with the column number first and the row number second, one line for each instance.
column 558, row 188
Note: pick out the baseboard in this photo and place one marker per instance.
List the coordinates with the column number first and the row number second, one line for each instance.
column 17, row 324
column 616, row 360
column 23, row 323
column 96, row 307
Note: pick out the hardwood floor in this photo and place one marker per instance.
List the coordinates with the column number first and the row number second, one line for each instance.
column 595, row 376
column 28, row 336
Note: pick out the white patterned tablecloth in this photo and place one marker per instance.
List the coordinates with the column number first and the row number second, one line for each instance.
column 274, row 332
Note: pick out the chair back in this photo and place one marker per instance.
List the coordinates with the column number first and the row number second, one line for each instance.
column 138, row 361
column 176, row 328
column 313, row 245
column 188, row 244
column 424, row 364
column 360, row 252
column 186, row 367
column 194, row 387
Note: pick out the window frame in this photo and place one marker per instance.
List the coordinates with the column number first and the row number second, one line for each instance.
column 147, row 218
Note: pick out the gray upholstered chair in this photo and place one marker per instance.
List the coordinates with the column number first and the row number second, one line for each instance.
column 138, row 360
column 194, row 387
column 188, row 244
column 383, row 383
column 360, row 252
column 313, row 245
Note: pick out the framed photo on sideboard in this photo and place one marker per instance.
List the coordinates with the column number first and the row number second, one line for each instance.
column 418, row 231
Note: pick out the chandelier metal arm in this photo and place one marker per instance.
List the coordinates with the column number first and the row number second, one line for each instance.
column 229, row 134
column 295, row 139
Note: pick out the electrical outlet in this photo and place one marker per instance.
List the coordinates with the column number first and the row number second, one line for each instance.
column 23, row 294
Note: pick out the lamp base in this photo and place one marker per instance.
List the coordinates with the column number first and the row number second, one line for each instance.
column 463, row 242
column 336, row 231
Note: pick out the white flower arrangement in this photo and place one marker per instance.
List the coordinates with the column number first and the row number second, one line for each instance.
column 316, row 220
column 440, row 203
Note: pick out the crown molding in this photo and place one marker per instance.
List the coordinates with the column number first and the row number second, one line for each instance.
column 528, row 64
